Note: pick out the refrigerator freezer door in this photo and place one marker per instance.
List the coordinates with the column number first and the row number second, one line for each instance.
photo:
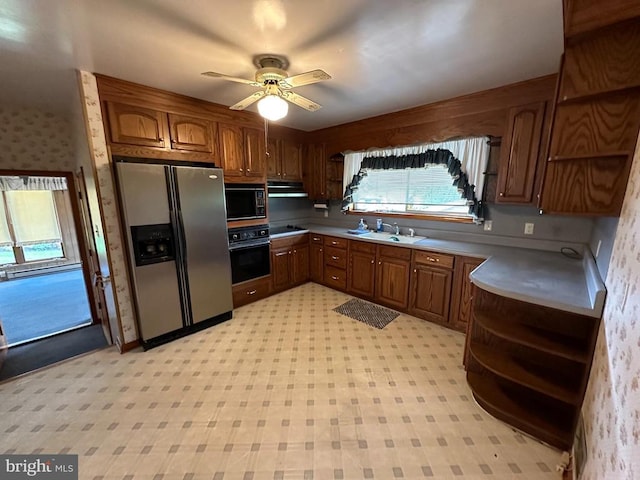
column 143, row 193
column 204, row 222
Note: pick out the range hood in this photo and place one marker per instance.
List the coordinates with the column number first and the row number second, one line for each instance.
column 277, row 189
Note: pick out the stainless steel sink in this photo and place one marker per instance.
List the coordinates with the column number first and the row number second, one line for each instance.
column 392, row 238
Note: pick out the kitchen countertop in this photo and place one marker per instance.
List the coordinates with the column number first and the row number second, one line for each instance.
column 541, row 277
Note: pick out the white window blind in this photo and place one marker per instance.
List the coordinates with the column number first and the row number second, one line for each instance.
column 428, row 190
column 34, row 216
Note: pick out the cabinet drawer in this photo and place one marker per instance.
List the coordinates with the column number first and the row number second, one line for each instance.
column 433, row 259
column 336, row 257
column 250, row 291
column 364, row 247
column 394, row 252
column 335, row 277
column 316, row 238
column 336, row 242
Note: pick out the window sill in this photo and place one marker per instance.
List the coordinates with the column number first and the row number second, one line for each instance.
column 413, row 216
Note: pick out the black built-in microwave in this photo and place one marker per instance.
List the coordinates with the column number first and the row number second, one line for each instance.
column 245, row 201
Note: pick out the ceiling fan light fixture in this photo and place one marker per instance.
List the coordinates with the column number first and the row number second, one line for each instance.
column 273, row 107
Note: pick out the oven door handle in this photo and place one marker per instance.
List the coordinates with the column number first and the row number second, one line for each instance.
column 244, row 246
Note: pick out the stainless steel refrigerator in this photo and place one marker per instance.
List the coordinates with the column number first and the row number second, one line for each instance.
column 175, row 221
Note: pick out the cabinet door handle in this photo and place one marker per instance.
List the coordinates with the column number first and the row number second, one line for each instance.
column 320, row 249
column 333, row 257
column 501, row 194
column 379, row 263
column 242, row 170
column 315, row 239
column 415, row 270
column 371, row 262
column 334, row 277
column 295, row 251
column 279, row 254
column 251, row 292
column 334, row 243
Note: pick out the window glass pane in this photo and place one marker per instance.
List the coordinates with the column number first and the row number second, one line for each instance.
column 6, row 255
column 42, row 251
column 422, row 190
column 34, row 217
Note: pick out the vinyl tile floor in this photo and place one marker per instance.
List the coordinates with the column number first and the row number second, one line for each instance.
column 287, row 389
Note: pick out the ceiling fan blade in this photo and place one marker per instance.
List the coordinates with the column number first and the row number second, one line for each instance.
column 244, row 103
column 301, row 101
column 233, row 79
column 306, row 78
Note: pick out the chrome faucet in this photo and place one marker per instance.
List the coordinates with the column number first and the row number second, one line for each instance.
column 395, row 225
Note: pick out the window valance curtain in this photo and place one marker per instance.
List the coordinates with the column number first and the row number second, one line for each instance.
column 466, row 161
column 11, row 183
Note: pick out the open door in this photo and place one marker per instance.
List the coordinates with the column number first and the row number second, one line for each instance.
column 96, row 287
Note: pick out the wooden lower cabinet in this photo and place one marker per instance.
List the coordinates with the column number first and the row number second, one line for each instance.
column 362, row 269
column 528, row 365
column 316, row 258
column 462, row 291
column 250, row 291
column 289, row 261
column 431, row 280
column 392, row 276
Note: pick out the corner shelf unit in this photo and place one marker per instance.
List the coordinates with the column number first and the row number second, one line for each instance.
column 528, row 365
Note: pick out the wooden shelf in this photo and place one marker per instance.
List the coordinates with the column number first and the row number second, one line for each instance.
column 596, row 95
column 587, row 156
column 512, row 368
column 541, row 340
column 550, row 423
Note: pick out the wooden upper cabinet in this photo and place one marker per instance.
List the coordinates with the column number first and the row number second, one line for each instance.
column 274, row 160
column 132, row 125
column 314, row 171
column 519, row 154
column 254, row 150
column 284, row 161
column 231, row 149
column 291, row 161
column 192, row 134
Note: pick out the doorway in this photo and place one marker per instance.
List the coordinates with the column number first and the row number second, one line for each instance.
column 44, row 282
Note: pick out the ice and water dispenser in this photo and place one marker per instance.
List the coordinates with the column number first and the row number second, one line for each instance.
column 152, row 244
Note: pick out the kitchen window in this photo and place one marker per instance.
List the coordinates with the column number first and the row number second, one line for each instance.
column 427, row 180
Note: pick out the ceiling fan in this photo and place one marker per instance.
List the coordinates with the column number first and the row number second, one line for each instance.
column 276, row 85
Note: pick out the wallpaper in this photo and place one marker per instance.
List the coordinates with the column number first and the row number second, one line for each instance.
column 102, row 161
column 34, row 140
column 612, row 404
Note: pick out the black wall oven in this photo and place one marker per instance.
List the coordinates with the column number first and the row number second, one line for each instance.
column 249, row 252
column 245, row 202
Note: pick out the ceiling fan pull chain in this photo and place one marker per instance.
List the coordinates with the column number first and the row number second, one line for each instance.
column 266, row 130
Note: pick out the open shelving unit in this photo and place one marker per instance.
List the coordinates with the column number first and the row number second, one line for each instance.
column 528, row 365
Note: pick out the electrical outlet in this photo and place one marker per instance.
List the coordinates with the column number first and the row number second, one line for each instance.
column 488, row 225
column 326, row 214
column 528, row 228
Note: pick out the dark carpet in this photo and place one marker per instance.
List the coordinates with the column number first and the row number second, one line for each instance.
column 31, row 356
column 37, row 306
column 365, row 312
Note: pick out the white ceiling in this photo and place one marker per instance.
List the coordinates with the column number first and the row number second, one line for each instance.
column 383, row 55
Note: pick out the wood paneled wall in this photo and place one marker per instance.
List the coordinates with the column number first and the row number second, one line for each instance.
column 481, row 113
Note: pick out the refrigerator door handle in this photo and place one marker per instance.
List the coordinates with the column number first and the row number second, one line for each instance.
column 183, row 237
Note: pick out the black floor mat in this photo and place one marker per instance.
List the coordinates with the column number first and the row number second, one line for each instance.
column 369, row 313
column 32, row 356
